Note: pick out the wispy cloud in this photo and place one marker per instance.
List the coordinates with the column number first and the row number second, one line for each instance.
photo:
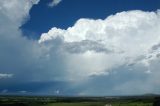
column 22, row 91
column 4, row 91
column 5, row 75
column 54, row 3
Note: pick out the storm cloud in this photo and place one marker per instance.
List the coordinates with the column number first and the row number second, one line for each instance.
column 117, row 55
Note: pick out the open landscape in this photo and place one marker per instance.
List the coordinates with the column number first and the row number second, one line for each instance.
column 79, row 52
column 79, row 101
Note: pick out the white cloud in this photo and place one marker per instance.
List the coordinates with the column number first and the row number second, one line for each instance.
column 16, row 11
column 3, row 76
column 127, row 36
column 16, row 50
column 54, row 3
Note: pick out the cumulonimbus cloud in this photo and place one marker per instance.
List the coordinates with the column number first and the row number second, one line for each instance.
column 120, row 51
column 120, row 39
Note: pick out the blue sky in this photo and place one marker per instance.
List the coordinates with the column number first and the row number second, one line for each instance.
column 42, row 18
column 79, row 47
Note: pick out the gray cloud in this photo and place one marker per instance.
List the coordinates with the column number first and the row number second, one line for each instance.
column 86, row 45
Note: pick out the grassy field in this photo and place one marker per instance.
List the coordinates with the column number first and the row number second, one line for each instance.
column 78, row 101
column 77, row 104
column 99, row 104
column 132, row 104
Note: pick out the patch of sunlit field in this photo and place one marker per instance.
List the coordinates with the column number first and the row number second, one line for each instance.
column 131, row 104
column 77, row 104
column 99, row 104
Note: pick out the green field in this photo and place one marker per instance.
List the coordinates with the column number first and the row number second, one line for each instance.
column 77, row 104
column 99, row 104
column 78, row 101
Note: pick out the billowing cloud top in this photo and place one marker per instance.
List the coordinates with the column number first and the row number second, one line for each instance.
column 93, row 57
column 101, row 45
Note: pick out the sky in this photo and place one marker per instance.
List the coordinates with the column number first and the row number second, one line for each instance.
column 79, row 47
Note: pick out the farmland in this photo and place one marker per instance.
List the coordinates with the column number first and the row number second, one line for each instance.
column 79, row 101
